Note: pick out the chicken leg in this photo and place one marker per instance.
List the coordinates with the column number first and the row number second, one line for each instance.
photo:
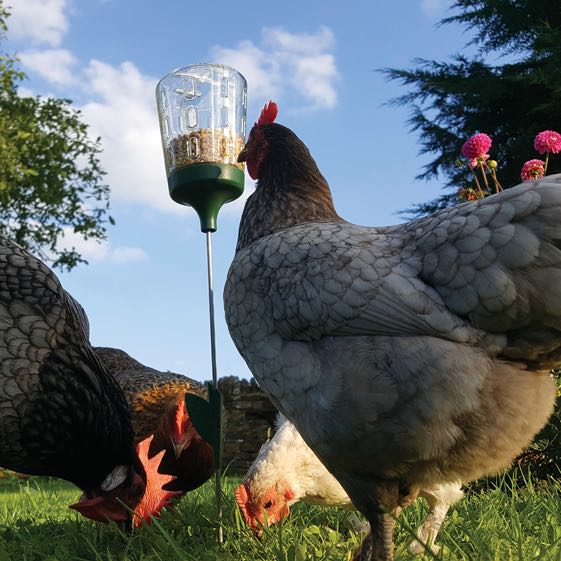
column 440, row 499
column 381, row 512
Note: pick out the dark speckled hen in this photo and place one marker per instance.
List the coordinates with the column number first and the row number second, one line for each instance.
column 157, row 403
column 61, row 412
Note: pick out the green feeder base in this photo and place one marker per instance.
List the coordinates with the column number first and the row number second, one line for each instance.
column 206, row 417
column 206, row 187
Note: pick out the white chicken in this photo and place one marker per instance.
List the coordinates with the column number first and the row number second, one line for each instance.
column 430, row 341
column 286, row 471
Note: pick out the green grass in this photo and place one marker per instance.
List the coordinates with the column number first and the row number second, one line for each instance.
column 504, row 524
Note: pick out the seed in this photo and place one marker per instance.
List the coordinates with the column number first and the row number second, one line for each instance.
column 220, row 146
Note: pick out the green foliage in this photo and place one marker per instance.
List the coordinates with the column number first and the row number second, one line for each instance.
column 511, row 101
column 36, row 524
column 51, row 179
column 504, row 523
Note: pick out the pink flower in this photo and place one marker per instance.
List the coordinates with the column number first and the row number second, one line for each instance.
column 477, row 146
column 532, row 169
column 548, row 141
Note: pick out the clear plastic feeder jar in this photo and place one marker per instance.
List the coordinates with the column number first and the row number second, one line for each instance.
column 202, row 112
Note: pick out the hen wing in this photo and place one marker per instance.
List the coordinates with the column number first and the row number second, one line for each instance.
column 497, row 264
column 49, row 379
column 490, row 266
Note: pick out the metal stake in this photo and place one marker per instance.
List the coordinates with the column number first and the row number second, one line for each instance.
column 217, row 473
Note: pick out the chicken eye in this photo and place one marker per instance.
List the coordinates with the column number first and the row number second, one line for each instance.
column 268, row 505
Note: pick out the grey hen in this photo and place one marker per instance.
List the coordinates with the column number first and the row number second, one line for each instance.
column 430, row 341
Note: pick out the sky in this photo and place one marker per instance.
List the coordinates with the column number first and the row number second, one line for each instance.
column 145, row 288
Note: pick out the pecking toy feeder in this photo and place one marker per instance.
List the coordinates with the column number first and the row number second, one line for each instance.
column 202, row 110
column 202, row 113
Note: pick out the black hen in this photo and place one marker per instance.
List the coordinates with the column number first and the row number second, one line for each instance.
column 61, row 412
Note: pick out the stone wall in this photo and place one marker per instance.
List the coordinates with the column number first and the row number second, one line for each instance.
column 249, row 420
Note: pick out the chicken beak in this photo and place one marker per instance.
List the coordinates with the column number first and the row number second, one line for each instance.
column 178, row 448
column 242, row 156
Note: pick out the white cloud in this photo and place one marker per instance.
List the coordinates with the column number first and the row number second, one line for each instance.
column 40, row 21
column 54, row 65
column 434, row 8
column 123, row 113
column 120, row 104
column 90, row 249
column 287, row 62
column 261, row 71
column 23, row 91
column 124, row 254
column 303, row 43
column 93, row 250
column 314, row 75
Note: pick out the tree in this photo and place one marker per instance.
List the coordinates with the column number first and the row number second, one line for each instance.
column 511, row 102
column 51, row 180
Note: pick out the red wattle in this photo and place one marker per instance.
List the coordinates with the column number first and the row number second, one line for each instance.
column 100, row 509
column 253, row 169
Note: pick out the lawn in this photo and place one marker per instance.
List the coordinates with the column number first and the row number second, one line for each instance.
column 504, row 524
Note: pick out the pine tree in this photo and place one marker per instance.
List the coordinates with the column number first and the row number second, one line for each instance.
column 511, row 101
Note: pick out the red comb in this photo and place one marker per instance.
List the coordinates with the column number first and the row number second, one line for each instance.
column 242, row 498
column 268, row 114
column 155, row 498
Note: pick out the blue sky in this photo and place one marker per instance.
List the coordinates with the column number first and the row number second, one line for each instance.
column 145, row 288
